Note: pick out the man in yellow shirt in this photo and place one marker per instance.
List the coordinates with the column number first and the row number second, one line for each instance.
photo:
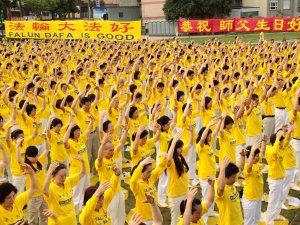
column 226, row 195
column 276, row 175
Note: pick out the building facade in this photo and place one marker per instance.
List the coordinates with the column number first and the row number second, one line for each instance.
column 152, row 10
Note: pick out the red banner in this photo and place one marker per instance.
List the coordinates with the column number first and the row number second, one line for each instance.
column 272, row 24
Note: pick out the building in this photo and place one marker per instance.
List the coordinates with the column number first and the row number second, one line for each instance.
column 152, row 10
column 239, row 10
column 270, row 8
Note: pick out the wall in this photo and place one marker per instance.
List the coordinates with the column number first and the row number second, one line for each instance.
column 152, row 10
column 262, row 4
column 129, row 13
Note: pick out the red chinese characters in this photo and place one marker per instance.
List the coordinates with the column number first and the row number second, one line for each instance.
column 92, row 26
column 120, row 27
column 66, row 26
column 19, row 26
column 40, row 26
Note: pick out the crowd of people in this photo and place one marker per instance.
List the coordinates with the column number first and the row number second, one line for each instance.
column 188, row 114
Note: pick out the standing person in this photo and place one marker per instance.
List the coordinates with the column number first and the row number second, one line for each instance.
column 281, row 114
column 143, row 181
column 75, row 143
column 295, row 119
column 226, row 195
column 276, row 176
column 207, row 159
column 167, row 125
column 37, row 204
column 177, row 168
column 55, row 135
column 11, row 205
column 254, row 183
column 105, row 164
column 289, row 163
column 97, row 200
column 58, row 192
column 4, row 161
column 193, row 209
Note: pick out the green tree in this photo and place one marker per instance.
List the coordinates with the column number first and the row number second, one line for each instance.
column 8, row 4
column 197, row 9
column 36, row 6
column 62, row 7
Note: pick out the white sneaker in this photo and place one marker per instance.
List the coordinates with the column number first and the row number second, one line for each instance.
column 213, row 214
column 295, row 187
column 280, row 218
column 284, row 206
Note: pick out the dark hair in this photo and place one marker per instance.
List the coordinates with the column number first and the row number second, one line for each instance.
column 69, row 99
column 179, row 94
column 164, row 120
column 16, row 133
column 231, row 169
column 61, row 166
column 131, row 111
column 113, row 93
column 207, row 100
column 201, row 131
column 32, row 151
column 58, row 103
column 11, row 95
column 143, row 134
column 160, row 85
column 5, row 190
column 85, row 100
column 228, row 120
column 55, row 122
column 132, row 88
column 76, row 127
column 29, row 108
column 254, row 97
column 105, row 125
column 89, row 192
column 136, row 75
column 179, row 160
column 194, row 203
column 143, row 170
column 273, row 138
column 29, row 86
column 257, row 151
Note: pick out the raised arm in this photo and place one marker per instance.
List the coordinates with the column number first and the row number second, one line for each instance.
column 83, row 171
column 47, row 181
column 205, row 133
column 5, row 159
column 123, row 138
column 156, row 214
column 251, row 157
column 91, row 125
column 221, row 179
column 136, row 140
column 105, row 140
column 67, row 136
column 172, row 148
column 34, row 184
column 209, row 200
column 187, row 215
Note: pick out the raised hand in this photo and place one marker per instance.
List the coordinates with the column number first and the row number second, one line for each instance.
column 136, row 219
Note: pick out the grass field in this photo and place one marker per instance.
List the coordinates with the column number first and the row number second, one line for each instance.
column 293, row 215
column 254, row 38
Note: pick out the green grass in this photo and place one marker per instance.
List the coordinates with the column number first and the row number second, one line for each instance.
column 254, row 38
column 291, row 215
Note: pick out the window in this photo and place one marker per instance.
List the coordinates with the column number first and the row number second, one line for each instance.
column 273, row 5
column 286, row 4
column 299, row 6
column 121, row 14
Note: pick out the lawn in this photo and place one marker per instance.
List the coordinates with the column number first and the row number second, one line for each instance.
column 254, row 38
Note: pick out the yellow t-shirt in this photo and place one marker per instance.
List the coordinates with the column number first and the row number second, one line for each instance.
column 239, row 131
column 207, row 116
column 274, row 156
column 178, row 186
column 253, row 189
column 78, row 148
column 89, row 216
column 142, row 152
column 269, row 107
column 139, row 188
column 163, row 141
column 40, row 176
column 229, row 205
column 11, row 217
column 200, row 221
column 279, row 99
column 254, row 123
column 289, row 159
column 228, row 145
column 58, row 152
column 60, row 201
column 207, row 162
column 28, row 127
column 296, row 120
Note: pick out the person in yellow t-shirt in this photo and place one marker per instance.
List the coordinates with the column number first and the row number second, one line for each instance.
column 4, row 161
column 137, row 219
column 226, row 195
column 55, row 132
column 142, row 146
column 37, row 204
column 97, row 200
column 11, row 206
column 276, row 175
column 227, row 139
column 58, row 192
column 193, row 209
column 207, row 159
column 143, row 181
column 75, row 144
column 105, row 164
column 178, row 183
column 253, row 188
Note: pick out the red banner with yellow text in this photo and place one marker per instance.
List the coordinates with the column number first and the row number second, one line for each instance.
column 270, row 24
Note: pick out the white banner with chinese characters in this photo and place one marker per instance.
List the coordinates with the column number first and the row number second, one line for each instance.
column 75, row 29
